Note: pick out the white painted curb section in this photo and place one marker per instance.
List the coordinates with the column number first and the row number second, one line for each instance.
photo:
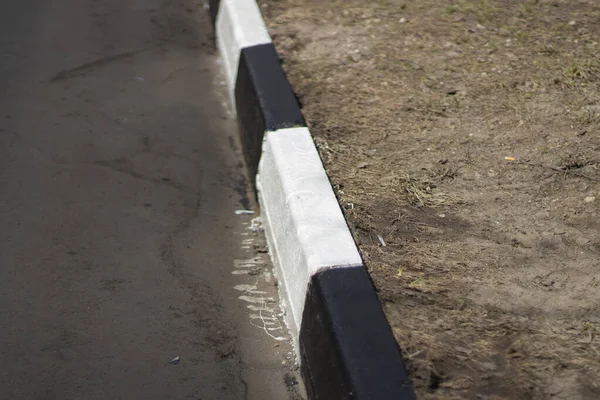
column 239, row 25
column 305, row 227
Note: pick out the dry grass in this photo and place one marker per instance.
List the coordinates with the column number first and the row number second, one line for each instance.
column 489, row 273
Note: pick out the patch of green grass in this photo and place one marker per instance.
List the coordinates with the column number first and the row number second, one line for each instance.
column 486, row 11
column 481, row 9
column 452, row 9
column 523, row 36
column 587, row 116
column 548, row 50
column 524, row 10
column 581, row 71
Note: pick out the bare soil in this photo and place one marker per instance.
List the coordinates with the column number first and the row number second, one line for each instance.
column 462, row 138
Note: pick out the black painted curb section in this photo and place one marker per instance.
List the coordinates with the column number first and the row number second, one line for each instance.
column 264, row 100
column 347, row 347
column 213, row 6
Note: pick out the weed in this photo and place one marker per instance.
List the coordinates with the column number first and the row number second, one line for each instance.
column 452, row 9
column 523, row 36
column 587, row 116
column 548, row 50
column 580, row 72
column 524, row 10
column 486, row 11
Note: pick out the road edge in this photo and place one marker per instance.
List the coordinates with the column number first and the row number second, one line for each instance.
column 341, row 336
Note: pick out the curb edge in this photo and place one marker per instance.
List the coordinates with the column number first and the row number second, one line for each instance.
column 344, row 343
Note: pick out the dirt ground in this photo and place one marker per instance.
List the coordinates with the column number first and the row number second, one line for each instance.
column 462, row 138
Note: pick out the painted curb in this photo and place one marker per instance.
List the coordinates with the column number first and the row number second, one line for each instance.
column 341, row 336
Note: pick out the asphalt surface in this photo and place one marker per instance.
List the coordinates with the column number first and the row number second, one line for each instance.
column 120, row 174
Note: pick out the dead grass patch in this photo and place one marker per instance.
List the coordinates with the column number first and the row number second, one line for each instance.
column 462, row 138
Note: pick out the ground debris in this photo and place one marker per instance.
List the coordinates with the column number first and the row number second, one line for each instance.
column 476, row 116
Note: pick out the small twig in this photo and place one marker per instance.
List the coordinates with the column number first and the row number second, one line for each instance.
column 416, row 353
column 590, row 336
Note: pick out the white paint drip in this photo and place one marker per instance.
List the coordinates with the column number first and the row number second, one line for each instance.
column 263, row 308
column 255, row 308
column 257, row 300
column 268, row 320
column 251, row 289
column 256, row 225
column 241, row 212
column 243, row 272
column 249, row 263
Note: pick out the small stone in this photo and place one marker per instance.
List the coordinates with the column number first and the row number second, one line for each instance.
column 589, row 199
column 489, row 366
column 581, row 241
column 571, row 23
column 463, row 350
column 402, row 20
column 355, row 57
column 362, row 165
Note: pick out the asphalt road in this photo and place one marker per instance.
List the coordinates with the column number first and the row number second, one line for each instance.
column 120, row 172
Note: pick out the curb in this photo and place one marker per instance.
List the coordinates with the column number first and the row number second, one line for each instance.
column 341, row 336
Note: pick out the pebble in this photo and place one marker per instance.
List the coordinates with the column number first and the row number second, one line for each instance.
column 464, row 350
column 355, row 57
column 489, row 366
column 589, row 199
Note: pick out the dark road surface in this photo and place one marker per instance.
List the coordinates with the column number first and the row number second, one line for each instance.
column 120, row 175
